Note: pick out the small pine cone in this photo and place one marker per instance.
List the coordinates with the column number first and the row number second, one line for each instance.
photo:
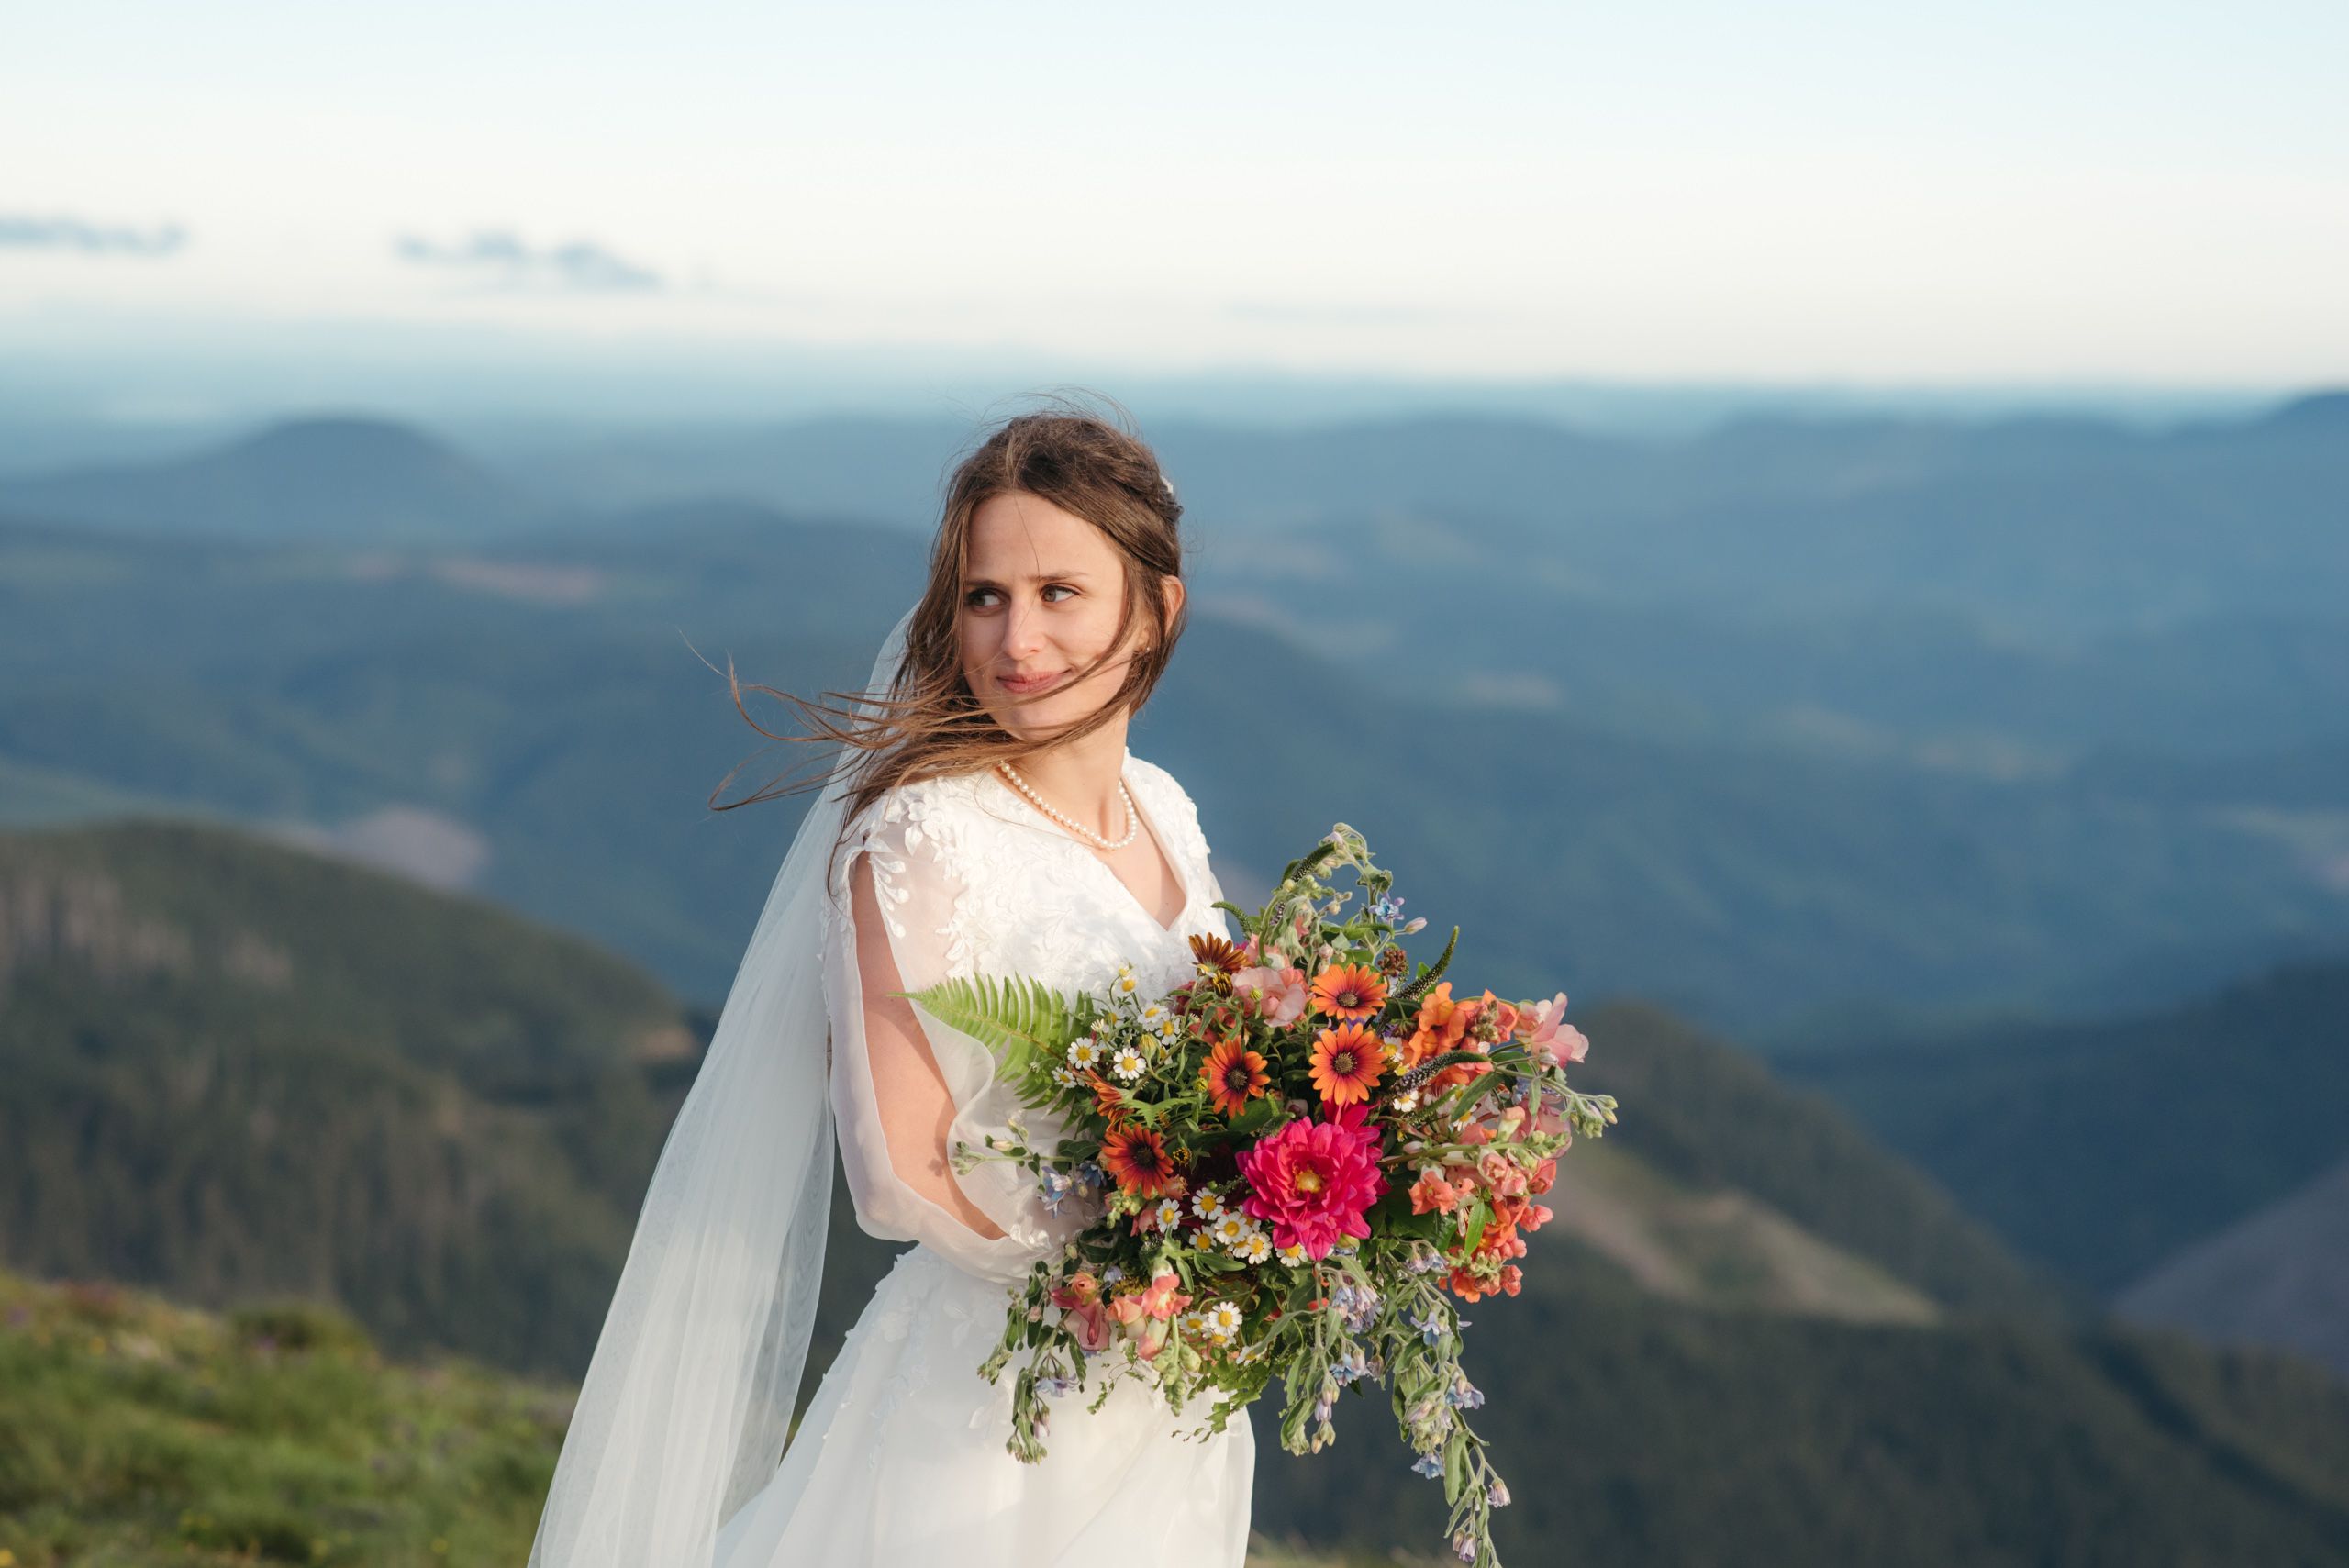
column 1393, row 960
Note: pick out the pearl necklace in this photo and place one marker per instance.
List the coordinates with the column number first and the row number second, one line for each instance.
column 1133, row 820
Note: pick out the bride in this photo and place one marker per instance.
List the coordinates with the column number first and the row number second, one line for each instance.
column 986, row 817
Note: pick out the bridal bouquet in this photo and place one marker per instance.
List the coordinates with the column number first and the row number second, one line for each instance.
column 1309, row 1156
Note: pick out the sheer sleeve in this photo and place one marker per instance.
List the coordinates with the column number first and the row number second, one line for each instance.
column 905, row 1088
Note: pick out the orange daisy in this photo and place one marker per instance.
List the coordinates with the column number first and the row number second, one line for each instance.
column 1349, row 991
column 1137, row 1156
column 1217, row 952
column 1108, row 1097
column 1233, row 1076
column 1347, row 1061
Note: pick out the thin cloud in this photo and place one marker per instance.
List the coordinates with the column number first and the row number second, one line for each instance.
column 1320, row 314
column 59, row 232
column 498, row 254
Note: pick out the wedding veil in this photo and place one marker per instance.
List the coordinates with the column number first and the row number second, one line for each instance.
column 689, row 1397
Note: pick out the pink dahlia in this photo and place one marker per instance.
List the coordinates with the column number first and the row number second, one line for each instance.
column 1313, row 1181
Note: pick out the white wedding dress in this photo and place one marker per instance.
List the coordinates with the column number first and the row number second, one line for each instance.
column 900, row 1457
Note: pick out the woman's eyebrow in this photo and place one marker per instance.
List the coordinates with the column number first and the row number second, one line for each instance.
column 1039, row 577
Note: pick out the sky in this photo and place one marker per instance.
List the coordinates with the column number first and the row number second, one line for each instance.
column 1920, row 194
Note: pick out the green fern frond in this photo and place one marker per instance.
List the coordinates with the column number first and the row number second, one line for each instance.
column 1020, row 1020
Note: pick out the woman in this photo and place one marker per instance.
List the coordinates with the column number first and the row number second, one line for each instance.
column 989, row 820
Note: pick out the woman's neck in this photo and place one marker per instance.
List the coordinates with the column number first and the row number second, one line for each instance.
column 1080, row 777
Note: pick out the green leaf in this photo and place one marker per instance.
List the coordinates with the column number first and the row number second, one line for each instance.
column 1019, row 1019
column 1261, row 1111
column 1476, row 1088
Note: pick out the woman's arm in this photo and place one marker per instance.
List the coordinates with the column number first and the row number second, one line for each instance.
column 911, row 1101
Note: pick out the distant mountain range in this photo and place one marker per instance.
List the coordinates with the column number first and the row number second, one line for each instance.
column 348, row 481
column 2058, row 530
column 537, row 718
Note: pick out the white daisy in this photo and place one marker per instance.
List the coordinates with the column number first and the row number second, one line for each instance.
column 1229, row 1231
column 1224, row 1320
column 1151, row 1017
column 1253, row 1248
column 1066, row 1077
column 1207, row 1204
column 1168, row 1213
column 1406, row 1102
column 1125, row 985
column 1127, row 1064
column 1084, row 1051
column 1293, row 1254
column 1194, row 1324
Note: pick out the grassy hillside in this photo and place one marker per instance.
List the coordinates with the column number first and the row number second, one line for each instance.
column 136, row 1433
column 2103, row 1147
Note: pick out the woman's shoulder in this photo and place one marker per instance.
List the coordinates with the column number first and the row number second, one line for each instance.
column 908, row 813
column 915, row 836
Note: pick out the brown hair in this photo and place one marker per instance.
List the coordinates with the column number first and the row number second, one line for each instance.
column 930, row 725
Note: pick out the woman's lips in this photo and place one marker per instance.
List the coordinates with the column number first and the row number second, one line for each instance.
column 1023, row 685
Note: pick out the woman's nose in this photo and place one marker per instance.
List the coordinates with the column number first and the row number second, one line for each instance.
column 1023, row 630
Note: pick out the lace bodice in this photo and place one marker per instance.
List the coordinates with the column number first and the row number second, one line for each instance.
column 971, row 879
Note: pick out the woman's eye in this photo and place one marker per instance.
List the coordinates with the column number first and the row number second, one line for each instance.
column 977, row 597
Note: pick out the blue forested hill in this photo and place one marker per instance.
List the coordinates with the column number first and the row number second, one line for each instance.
column 544, row 716
column 355, row 479
column 2104, row 1146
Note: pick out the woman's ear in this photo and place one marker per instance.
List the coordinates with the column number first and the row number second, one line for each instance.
column 1173, row 591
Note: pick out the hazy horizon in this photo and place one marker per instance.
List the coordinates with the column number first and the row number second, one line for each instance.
column 1693, row 194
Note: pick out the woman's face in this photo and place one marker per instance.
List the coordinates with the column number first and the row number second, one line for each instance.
column 1042, row 595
